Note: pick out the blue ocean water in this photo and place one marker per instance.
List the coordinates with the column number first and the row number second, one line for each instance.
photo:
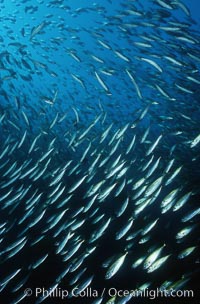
column 69, row 70
column 194, row 8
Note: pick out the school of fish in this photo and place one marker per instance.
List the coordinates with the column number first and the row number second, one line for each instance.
column 99, row 154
